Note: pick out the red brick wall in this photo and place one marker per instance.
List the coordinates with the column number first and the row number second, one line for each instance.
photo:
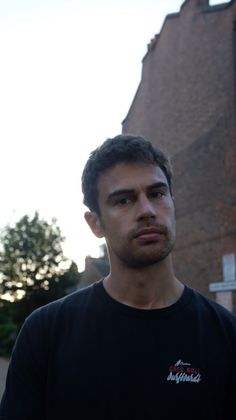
column 185, row 104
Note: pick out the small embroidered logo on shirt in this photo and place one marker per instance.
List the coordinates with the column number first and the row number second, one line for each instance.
column 184, row 372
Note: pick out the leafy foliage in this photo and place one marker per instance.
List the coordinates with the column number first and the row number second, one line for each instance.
column 31, row 257
column 8, row 328
column 32, row 272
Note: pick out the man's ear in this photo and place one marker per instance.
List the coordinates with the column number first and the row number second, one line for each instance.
column 94, row 223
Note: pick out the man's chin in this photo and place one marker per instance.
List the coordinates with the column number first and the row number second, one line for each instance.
column 144, row 261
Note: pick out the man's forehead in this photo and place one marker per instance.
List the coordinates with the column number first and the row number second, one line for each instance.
column 130, row 175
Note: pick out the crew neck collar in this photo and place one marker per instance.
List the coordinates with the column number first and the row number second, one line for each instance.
column 117, row 306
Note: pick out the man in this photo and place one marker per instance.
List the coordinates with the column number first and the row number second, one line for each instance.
column 138, row 344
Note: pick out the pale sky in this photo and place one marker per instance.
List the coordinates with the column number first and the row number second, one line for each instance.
column 69, row 71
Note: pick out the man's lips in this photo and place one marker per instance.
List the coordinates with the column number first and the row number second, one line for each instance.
column 150, row 234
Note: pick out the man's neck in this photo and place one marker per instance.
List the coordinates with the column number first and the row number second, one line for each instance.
column 152, row 287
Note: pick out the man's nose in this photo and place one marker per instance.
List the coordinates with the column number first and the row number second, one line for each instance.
column 145, row 208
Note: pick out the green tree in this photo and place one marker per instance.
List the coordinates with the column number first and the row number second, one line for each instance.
column 32, row 264
column 8, row 328
column 31, row 256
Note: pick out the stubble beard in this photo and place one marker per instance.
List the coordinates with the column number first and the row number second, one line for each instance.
column 142, row 259
column 149, row 254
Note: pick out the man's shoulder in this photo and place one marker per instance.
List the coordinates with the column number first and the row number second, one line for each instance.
column 210, row 308
column 69, row 305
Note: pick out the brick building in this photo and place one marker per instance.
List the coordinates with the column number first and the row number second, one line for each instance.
column 95, row 268
column 186, row 105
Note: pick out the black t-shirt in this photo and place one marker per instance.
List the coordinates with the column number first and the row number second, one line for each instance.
column 88, row 357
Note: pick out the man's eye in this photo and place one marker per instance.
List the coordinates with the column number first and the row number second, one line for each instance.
column 157, row 194
column 122, row 201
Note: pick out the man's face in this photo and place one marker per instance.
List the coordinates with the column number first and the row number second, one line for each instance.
column 137, row 214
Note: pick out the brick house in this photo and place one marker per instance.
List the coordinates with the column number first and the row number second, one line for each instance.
column 95, row 268
column 186, row 104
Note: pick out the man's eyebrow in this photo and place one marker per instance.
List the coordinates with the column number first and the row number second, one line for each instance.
column 158, row 185
column 119, row 192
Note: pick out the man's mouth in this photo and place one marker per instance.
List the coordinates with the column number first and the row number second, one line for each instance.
column 148, row 235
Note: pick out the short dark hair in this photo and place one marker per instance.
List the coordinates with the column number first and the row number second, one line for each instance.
column 122, row 148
